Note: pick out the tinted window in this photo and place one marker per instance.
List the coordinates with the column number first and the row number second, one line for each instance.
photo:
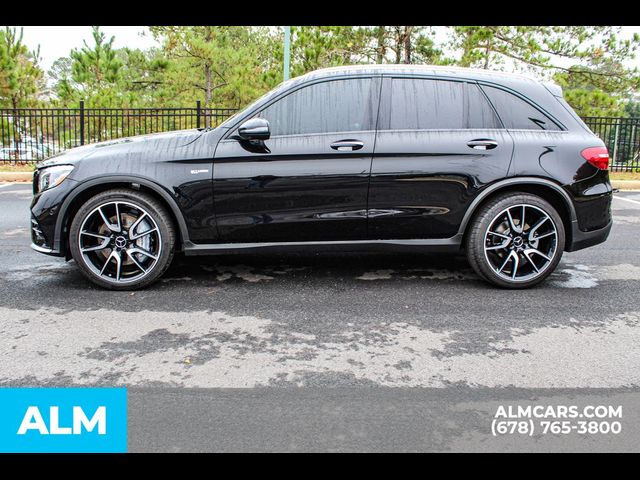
column 516, row 113
column 334, row 106
column 423, row 104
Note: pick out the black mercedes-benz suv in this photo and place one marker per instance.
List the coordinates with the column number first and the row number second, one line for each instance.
column 415, row 157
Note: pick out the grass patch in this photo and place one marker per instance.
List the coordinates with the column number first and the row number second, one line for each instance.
column 7, row 167
column 624, row 175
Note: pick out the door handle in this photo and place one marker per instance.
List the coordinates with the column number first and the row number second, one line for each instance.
column 482, row 144
column 347, row 145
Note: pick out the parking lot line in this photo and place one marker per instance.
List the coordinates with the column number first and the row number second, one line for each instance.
column 627, row 200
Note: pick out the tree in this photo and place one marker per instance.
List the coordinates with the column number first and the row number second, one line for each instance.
column 21, row 79
column 404, row 44
column 224, row 66
column 599, row 88
column 632, row 108
column 94, row 74
column 142, row 75
column 537, row 46
column 314, row 47
column 596, row 81
column 103, row 76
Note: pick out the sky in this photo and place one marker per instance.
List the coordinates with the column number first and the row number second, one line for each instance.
column 58, row 41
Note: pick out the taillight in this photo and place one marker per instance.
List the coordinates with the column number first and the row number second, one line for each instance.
column 597, row 156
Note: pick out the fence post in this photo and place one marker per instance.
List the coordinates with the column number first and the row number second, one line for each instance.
column 81, row 122
column 615, row 140
column 198, row 110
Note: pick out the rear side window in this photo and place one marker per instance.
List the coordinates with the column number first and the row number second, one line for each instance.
column 333, row 106
column 516, row 113
column 423, row 104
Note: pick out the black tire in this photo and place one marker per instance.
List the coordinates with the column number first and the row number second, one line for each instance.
column 478, row 238
column 165, row 239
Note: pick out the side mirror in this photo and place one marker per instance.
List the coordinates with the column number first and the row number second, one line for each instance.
column 254, row 129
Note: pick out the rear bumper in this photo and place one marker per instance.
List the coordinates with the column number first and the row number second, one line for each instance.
column 580, row 239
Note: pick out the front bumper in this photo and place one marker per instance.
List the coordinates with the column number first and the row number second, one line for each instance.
column 47, row 251
column 46, row 231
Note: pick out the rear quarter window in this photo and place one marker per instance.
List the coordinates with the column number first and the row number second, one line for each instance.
column 517, row 113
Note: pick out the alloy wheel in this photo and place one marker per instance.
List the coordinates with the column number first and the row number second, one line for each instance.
column 120, row 242
column 521, row 242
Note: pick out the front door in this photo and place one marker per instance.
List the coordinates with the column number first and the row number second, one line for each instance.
column 310, row 182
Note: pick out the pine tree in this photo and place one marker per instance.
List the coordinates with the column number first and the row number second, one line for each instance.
column 21, row 79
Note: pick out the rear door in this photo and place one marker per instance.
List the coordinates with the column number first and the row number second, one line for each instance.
column 439, row 142
column 311, row 182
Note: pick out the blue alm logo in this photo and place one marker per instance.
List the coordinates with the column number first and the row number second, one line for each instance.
column 56, row 420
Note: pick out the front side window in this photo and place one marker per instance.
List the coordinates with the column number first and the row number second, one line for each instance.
column 332, row 106
column 423, row 104
column 516, row 113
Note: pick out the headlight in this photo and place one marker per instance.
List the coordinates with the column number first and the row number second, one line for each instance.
column 50, row 177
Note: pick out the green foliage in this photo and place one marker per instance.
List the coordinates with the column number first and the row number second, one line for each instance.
column 537, row 46
column 598, row 89
column 632, row 109
column 595, row 86
column 229, row 66
column 404, row 44
column 105, row 77
column 222, row 66
column 21, row 79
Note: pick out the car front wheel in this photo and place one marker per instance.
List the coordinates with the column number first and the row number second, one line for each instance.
column 122, row 239
column 516, row 240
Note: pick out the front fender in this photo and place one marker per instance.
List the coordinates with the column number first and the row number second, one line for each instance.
column 115, row 180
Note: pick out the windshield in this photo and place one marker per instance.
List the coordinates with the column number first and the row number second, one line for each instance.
column 263, row 98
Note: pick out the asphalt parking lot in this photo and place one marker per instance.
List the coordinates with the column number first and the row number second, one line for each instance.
column 321, row 351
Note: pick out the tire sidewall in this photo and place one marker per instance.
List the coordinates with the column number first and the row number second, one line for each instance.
column 483, row 221
column 166, row 235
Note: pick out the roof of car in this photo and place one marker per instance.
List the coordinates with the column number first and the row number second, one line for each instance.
column 435, row 70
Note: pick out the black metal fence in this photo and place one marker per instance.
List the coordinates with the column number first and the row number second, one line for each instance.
column 32, row 134
column 622, row 138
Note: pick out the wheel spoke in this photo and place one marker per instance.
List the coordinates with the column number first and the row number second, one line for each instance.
column 516, row 264
column 118, row 259
column 504, row 244
column 105, row 242
column 147, row 232
column 107, row 222
column 498, row 235
column 142, row 251
column 535, row 228
column 137, row 222
column 529, row 251
column 522, row 219
column 506, row 260
column 544, row 235
column 96, row 235
column 512, row 225
column 142, row 269
column 119, row 224
column 497, row 247
column 526, row 255
column 115, row 256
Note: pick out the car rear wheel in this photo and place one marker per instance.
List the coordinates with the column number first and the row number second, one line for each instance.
column 516, row 240
column 122, row 239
